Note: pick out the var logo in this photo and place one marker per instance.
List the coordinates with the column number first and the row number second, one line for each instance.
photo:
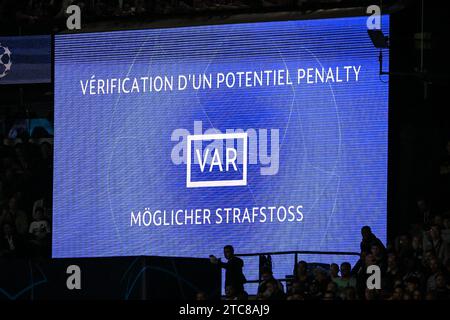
column 218, row 161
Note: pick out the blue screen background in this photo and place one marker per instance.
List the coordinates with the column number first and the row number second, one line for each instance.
column 112, row 152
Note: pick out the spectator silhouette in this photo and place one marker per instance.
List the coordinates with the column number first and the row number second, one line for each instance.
column 10, row 244
column 234, row 275
column 433, row 241
column 270, row 288
column 369, row 239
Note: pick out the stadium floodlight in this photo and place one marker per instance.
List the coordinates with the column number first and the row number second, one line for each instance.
column 379, row 40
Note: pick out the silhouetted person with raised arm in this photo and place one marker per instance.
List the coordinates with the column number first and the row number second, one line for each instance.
column 233, row 269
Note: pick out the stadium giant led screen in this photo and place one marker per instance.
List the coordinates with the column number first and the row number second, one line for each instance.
column 269, row 136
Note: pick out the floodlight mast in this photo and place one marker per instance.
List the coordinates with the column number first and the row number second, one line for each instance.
column 382, row 42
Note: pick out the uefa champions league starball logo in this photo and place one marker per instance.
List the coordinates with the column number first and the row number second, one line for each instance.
column 5, row 61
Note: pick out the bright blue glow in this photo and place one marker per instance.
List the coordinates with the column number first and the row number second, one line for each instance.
column 113, row 151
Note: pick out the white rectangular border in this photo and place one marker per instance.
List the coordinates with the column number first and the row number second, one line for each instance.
column 220, row 183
